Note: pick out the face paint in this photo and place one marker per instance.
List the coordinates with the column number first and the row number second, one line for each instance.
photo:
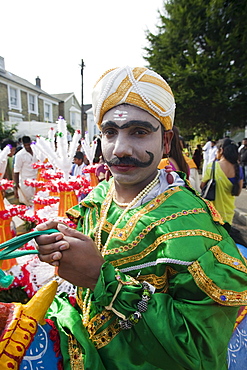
column 120, row 115
column 131, row 161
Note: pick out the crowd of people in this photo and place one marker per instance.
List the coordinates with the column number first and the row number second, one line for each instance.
column 160, row 281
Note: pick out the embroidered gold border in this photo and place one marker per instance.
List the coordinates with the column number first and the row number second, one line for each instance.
column 147, row 229
column 214, row 213
column 221, row 296
column 98, row 321
column 103, row 338
column 228, row 260
column 159, row 282
column 162, row 238
column 75, row 353
column 131, row 223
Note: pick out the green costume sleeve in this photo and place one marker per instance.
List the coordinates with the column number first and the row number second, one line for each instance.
column 187, row 328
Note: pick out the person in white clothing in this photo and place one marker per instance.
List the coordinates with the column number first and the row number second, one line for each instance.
column 212, row 152
column 79, row 164
column 23, row 170
column 205, row 152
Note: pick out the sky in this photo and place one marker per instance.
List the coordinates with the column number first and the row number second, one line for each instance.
column 49, row 38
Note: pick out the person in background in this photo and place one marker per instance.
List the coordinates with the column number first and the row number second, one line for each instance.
column 229, row 179
column 205, row 152
column 175, row 158
column 197, row 156
column 8, row 170
column 19, row 145
column 23, row 170
column 79, row 164
column 243, row 161
column 212, row 151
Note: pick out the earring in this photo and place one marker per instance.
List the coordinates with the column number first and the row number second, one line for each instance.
column 168, row 170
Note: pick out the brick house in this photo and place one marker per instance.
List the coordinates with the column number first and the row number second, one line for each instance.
column 21, row 100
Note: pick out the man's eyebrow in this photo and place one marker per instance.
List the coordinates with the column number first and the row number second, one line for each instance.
column 135, row 123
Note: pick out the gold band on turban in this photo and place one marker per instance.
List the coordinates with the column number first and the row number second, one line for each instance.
column 138, row 86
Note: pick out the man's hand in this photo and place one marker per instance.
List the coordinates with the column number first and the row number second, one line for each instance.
column 76, row 255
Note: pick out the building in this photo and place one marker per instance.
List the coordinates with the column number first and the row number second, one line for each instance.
column 69, row 109
column 21, row 100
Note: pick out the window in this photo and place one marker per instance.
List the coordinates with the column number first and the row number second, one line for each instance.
column 13, row 97
column 72, row 118
column 32, row 105
column 47, row 111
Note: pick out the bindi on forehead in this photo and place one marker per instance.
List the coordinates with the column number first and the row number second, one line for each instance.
column 120, row 115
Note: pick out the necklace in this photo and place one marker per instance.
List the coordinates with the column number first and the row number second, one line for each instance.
column 119, row 204
column 144, row 192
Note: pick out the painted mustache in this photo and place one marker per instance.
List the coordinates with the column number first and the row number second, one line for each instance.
column 129, row 161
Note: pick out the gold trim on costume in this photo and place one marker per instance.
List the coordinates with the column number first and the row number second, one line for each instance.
column 98, row 321
column 213, row 211
column 159, row 282
column 163, row 238
column 75, row 353
column 228, row 260
column 221, row 296
column 103, row 338
column 121, row 233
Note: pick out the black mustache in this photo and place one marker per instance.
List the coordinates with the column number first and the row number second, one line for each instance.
column 129, row 161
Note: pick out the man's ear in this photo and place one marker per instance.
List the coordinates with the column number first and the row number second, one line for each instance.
column 167, row 138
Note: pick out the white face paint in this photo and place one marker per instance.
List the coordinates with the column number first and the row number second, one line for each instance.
column 120, row 115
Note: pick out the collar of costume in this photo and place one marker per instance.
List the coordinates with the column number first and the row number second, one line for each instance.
column 138, row 86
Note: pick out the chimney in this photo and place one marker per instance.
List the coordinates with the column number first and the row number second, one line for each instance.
column 2, row 64
column 38, row 82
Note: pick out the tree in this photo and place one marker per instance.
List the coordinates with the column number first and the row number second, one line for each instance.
column 200, row 49
column 7, row 132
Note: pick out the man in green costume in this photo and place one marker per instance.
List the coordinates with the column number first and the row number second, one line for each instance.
column 159, row 279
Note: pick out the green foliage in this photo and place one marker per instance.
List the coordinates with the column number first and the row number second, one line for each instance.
column 200, row 49
column 7, row 132
column 70, row 129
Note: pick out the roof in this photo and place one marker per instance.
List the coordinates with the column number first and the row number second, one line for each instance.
column 21, row 81
column 63, row 97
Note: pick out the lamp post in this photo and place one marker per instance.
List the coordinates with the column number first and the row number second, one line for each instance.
column 82, row 107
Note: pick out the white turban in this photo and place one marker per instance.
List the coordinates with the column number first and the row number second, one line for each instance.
column 137, row 86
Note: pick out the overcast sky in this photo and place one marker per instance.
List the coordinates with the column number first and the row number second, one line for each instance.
column 49, row 38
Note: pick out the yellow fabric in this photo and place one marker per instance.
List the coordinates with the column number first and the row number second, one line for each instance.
column 190, row 161
column 224, row 201
column 164, row 162
column 137, row 86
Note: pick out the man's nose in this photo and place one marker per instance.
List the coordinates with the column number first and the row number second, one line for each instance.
column 122, row 146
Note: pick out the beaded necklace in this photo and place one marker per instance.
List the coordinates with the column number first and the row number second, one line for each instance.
column 87, row 300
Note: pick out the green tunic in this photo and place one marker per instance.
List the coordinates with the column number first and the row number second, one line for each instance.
column 176, row 243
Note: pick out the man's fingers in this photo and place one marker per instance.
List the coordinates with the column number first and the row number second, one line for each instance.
column 47, row 249
column 52, row 258
column 47, row 225
column 67, row 231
